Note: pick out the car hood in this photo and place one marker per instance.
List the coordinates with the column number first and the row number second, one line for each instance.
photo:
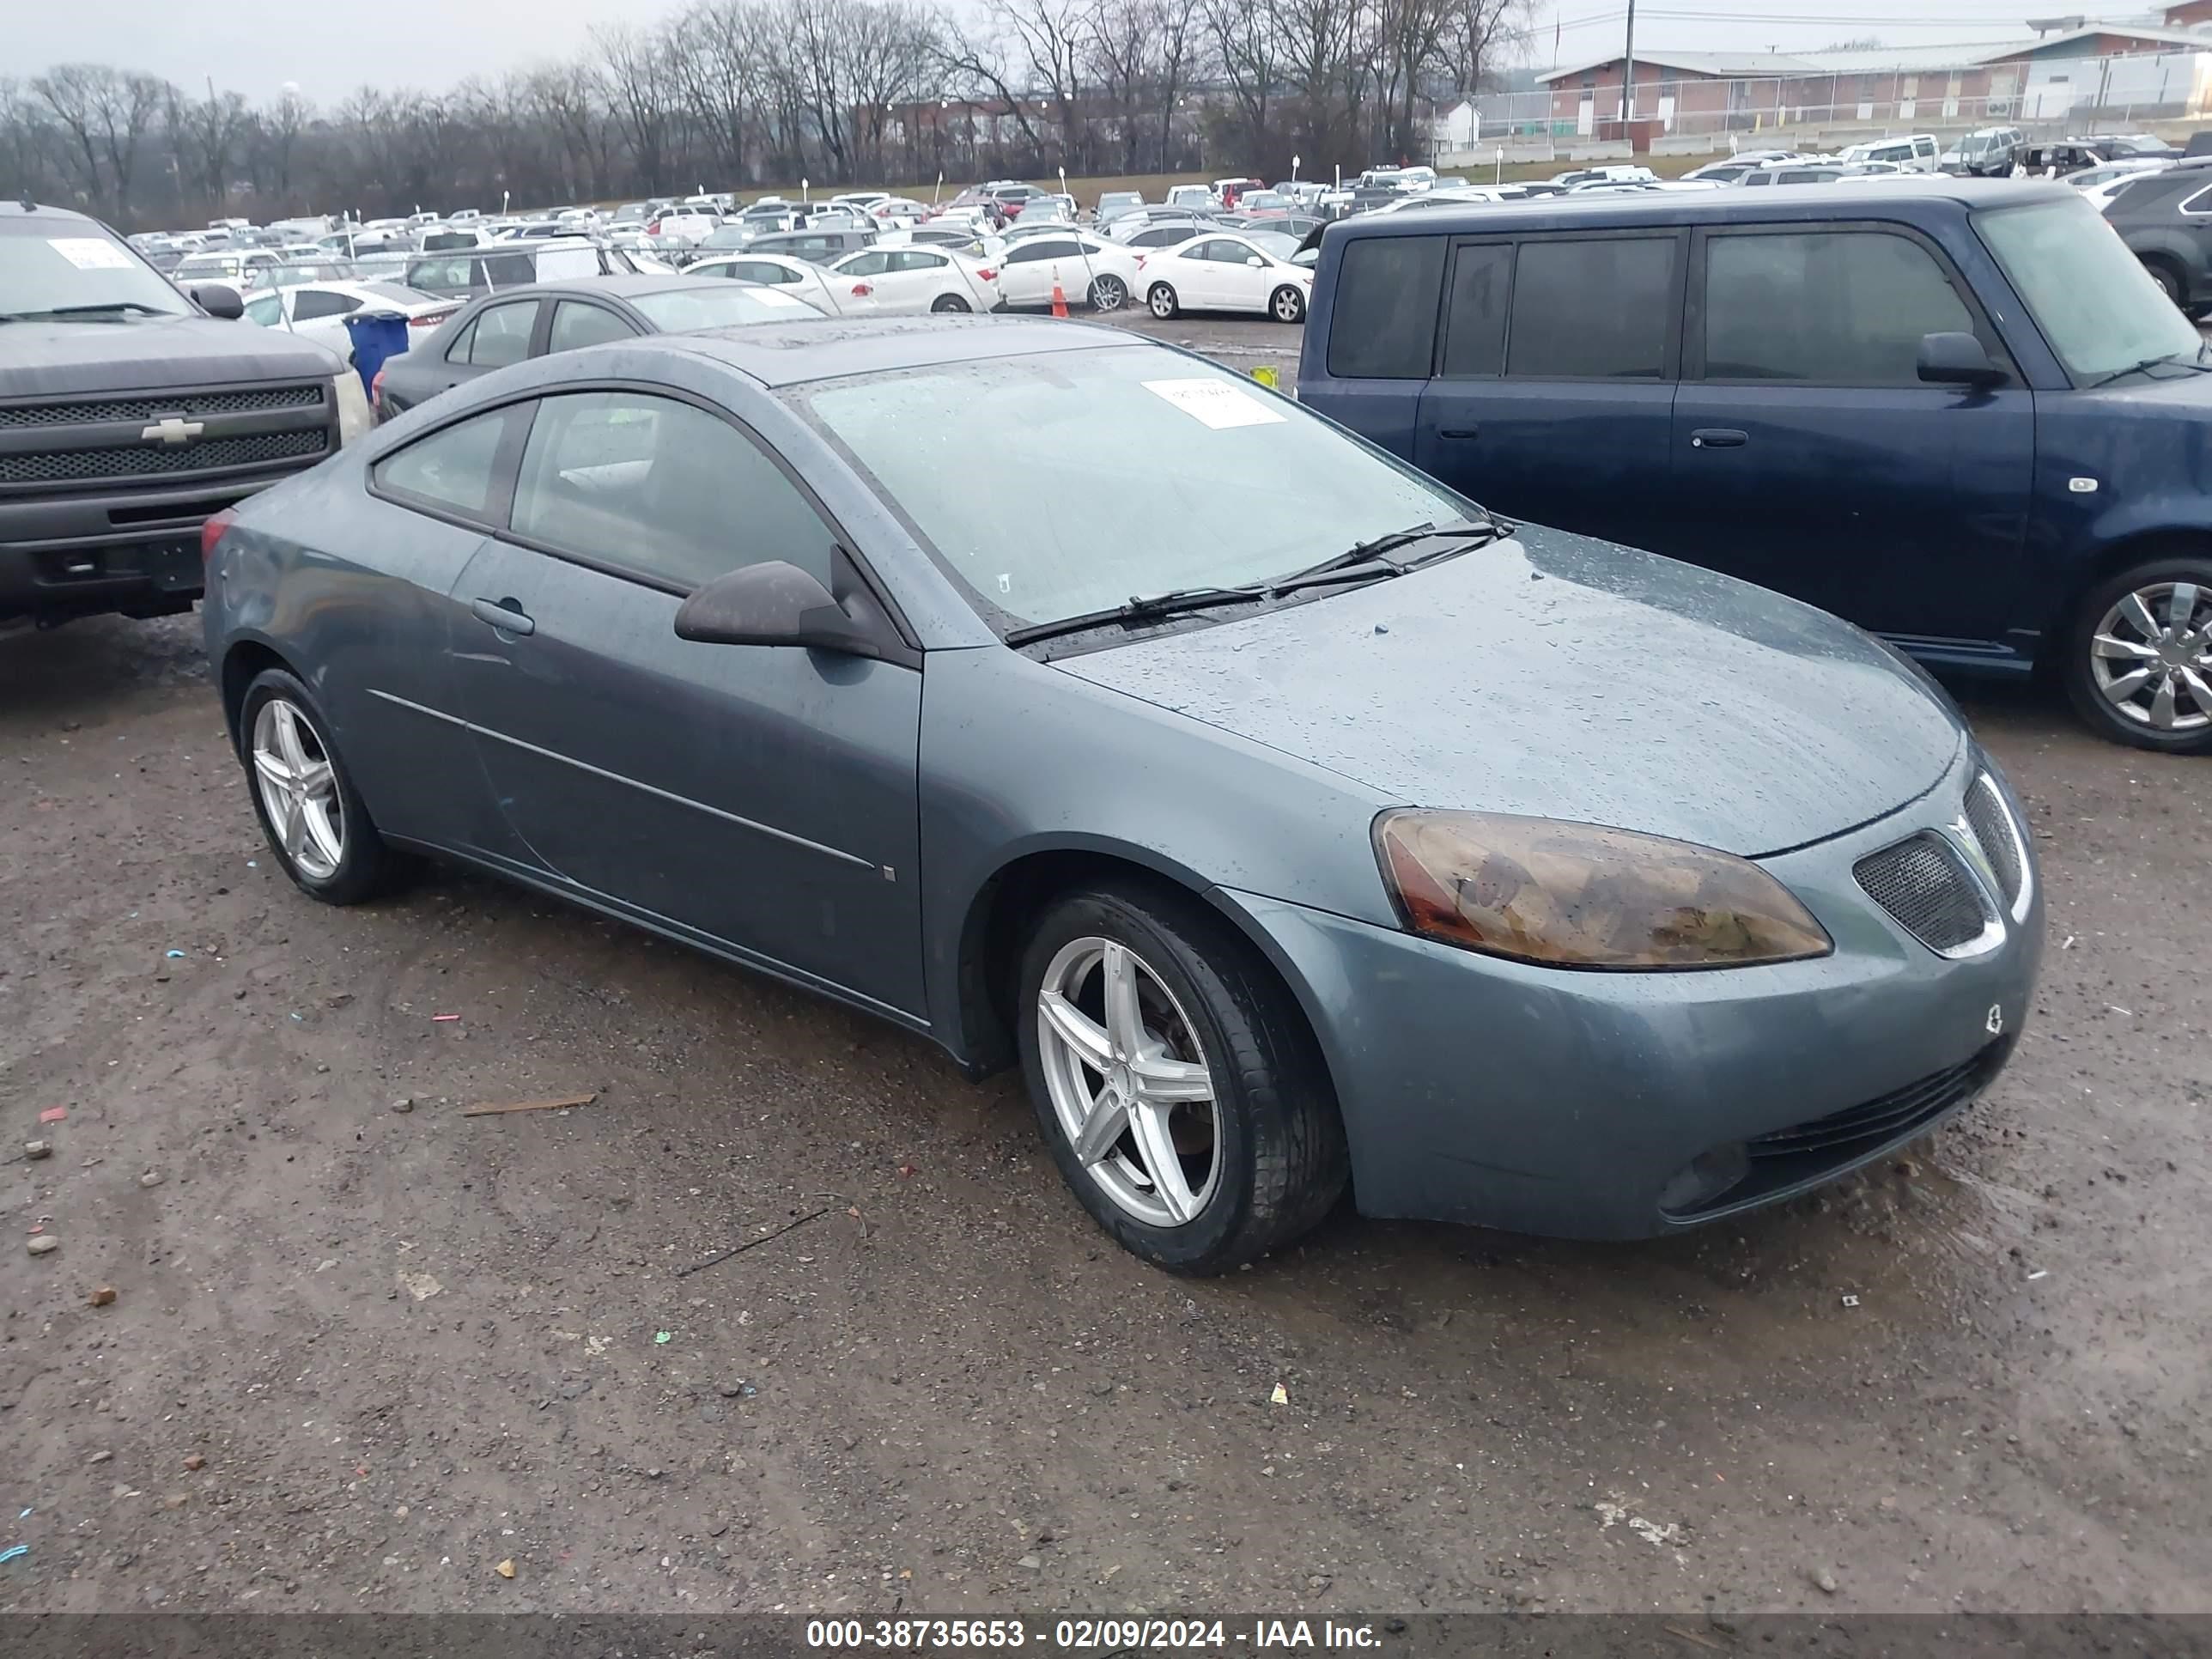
column 1559, row 677
column 40, row 359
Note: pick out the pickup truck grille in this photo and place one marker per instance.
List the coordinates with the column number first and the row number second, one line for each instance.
column 150, row 460
column 190, row 404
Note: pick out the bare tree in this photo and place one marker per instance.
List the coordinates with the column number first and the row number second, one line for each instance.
column 106, row 113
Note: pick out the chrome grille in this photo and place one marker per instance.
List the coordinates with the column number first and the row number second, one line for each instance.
column 1925, row 888
column 1993, row 828
column 74, row 465
column 252, row 400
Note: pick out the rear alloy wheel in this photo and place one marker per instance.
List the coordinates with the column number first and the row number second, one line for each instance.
column 1109, row 294
column 950, row 302
column 1176, row 1081
column 1162, row 300
column 316, row 825
column 1289, row 305
column 2139, row 657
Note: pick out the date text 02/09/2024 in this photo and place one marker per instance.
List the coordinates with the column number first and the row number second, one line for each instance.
column 1090, row 1635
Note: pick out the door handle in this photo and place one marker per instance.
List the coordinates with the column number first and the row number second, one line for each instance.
column 1718, row 437
column 504, row 615
column 1458, row 432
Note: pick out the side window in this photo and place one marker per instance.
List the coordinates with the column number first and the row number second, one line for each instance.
column 506, row 271
column 1053, row 247
column 1027, row 253
column 501, row 335
column 266, row 310
column 1592, row 309
column 576, row 324
column 1475, row 320
column 866, row 264
column 452, row 469
column 464, row 343
column 313, row 303
column 1382, row 323
column 2200, row 203
column 662, row 489
column 759, row 271
column 915, row 259
column 1824, row 308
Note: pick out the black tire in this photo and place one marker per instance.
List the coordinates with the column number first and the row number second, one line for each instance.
column 2169, row 279
column 2198, row 312
column 1287, row 305
column 1109, row 293
column 1280, row 1141
column 2077, row 664
column 1162, row 300
column 365, row 867
column 950, row 302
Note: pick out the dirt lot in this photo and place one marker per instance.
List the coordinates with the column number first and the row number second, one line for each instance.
column 410, row 1346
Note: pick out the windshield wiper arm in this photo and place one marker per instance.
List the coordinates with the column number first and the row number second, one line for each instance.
column 1141, row 608
column 1366, row 559
column 2171, row 359
column 105, row 306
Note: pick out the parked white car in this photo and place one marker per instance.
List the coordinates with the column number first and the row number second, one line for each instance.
column 1224, row 273
column 317, row 311
column 1088, row 269
column 904, row 282
column 797, row 277
column 2100, row 184
column 1917, row 152
column 1191, row 196
column 684, row 228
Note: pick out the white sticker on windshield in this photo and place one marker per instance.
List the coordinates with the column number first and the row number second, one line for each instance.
column 90, row 252
column 1214, row 403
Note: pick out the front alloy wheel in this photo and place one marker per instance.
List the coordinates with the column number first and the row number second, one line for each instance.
column 1175, row 1079
column 2142, row 653
column 1128, row 1081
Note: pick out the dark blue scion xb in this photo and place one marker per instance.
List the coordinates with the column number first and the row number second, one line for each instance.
column 1957, row 412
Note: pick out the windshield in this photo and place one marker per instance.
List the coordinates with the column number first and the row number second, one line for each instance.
column 991, row 462
column 675, row 311
column 2055, row 253
column 48, row 265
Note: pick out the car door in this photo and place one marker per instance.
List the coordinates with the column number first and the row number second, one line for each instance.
column 501, row 335
column 1554, row 384
column 1026, row 277
column 1244, row 281
column 858, row 282
column 762, row 798
column 1809, row 457
column 913, row 280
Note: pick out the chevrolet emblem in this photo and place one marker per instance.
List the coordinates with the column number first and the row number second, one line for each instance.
column 173, row 429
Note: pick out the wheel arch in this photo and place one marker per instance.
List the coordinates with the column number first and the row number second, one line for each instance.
column 996, row 922
column 2123, row 553
column 242, row 662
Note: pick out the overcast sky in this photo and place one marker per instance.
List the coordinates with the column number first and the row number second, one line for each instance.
column 258, row 46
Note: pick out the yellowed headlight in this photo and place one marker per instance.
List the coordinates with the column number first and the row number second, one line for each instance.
column 1581, row 896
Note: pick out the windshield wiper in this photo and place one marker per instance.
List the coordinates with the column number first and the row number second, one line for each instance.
column 1142, row 608
column 1366, row 561
column 105, row 307
column 2170, row 359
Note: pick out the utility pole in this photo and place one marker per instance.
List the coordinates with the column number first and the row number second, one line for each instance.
column 1628, row 75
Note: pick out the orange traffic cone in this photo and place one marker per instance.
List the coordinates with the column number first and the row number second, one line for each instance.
column 1058, row 300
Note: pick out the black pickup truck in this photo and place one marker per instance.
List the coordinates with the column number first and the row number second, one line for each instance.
column 130, row 413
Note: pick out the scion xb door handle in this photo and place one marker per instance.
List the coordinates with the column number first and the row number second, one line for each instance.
column 506, row 614
column 1718, row 437
column 1460, row 432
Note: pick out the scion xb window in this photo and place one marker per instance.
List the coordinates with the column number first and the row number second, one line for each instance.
column 1475, row 322
column 1384, row 325
column 1592, row 308
column 661, row 489
column 1824, row 308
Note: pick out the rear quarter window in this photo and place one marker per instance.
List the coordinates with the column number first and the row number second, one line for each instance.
column 1383, row 319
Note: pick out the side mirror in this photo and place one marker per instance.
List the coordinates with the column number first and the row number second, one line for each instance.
column 1254, row 261
column 219, row 300
column 771, row 604
column 1957, row 360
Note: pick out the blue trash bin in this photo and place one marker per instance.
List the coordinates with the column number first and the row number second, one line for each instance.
column 376, row 335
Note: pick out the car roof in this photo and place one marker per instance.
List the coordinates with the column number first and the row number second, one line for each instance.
column 1845, row 199
column 618, row 287
column 15, row 207
column 827, row 347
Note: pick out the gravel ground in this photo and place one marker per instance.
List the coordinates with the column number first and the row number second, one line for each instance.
column 364, row 1350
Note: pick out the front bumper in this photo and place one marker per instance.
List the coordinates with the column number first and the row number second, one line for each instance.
column 1599, row 1105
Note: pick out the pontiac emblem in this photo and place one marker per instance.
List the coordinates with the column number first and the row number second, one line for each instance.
column 1995, row 1023
column 173, row 429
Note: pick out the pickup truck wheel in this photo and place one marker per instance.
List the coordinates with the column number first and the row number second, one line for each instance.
column 315, row 821
column 2138, row 657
